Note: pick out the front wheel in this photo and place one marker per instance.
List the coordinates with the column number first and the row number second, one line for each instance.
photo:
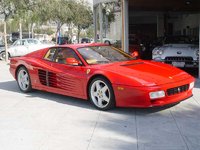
column 23, row 80
column 101, row 94
column 2, row 55
column 107, row 42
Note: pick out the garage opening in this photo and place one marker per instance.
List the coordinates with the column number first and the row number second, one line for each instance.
column 153, row 23
column 143, row 25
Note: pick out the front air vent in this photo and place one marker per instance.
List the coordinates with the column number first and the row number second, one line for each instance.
column 132, row 64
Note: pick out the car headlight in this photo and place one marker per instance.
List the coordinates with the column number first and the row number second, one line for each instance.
column 158, row 52
column 191, row 86
column 157, row 94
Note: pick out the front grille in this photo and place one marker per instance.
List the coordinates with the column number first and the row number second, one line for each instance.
column 176, row 58
column 177, row 90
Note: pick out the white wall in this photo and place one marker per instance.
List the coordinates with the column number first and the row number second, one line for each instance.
column 116, row 28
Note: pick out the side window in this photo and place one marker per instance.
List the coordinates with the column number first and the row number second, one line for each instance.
column 66, row 56
column 30, row 41
column 23, row 42
column 18, row 42
column 50, row 54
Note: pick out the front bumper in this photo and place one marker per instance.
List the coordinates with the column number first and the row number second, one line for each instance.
column 139, row 96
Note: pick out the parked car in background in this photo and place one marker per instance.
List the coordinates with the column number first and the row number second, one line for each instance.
column 1, row 44
column 23, row 46
column 2, row 47
column 178, row 51
column 85, row 40
column 47, row 42
column 109, row 41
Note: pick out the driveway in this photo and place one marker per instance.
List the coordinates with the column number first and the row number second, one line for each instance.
column 46, row 121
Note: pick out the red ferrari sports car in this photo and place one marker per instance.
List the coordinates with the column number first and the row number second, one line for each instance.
column 107, row 76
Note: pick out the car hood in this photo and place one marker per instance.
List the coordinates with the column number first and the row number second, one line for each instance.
column 180, row 45
column 145, row 73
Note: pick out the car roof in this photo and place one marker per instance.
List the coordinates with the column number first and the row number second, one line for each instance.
column 28, row 39
column 76, row 46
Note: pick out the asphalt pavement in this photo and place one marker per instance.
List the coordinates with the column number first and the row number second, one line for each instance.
column 46, row 121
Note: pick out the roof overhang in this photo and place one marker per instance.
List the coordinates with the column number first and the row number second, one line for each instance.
column 96, row 2
column 192, row 6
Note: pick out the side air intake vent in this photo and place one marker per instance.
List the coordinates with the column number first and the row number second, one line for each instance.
column 47, row 78
column 42, row 77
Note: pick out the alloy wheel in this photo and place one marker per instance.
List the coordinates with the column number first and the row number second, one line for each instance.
column 101, row 94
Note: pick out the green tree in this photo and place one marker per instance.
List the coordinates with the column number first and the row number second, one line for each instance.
column 9, row 9
column 82, row 18
column 90, row 32
column 57, row 11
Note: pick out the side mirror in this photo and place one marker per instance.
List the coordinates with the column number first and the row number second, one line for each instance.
column 135, row 54
column 72, row 61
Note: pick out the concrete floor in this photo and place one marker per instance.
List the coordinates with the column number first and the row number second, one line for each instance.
column 45, row 121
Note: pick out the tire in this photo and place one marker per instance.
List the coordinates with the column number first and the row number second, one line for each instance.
column 23, row 80
column 3, row 55
column 101, row 94
column 107, row 42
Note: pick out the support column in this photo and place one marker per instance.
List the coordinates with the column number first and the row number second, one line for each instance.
column 199, row 44
column 125, row 25
column 5, row 42
column 100, row 23
column 20, row 29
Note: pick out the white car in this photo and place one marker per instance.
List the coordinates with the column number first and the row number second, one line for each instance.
column 24, row 46
column 177, row 51
column 109, row 41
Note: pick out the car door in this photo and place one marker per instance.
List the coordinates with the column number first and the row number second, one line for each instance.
column 67, row 79
column 18, row 48
column 70, row 76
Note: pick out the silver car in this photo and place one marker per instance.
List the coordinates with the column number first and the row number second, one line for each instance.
column 23, row 46
column 178, row 51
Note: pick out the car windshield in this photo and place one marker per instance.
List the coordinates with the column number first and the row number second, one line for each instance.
column 32, row 41
column 103, row 54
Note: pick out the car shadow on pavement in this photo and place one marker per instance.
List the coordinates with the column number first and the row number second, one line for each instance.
column 12, row 86
column 128, row 127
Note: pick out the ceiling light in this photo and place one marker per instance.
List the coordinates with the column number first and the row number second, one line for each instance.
column 188, row 2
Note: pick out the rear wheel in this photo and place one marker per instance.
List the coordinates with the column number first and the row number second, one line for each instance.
column 23, row 80
column 101, row 94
